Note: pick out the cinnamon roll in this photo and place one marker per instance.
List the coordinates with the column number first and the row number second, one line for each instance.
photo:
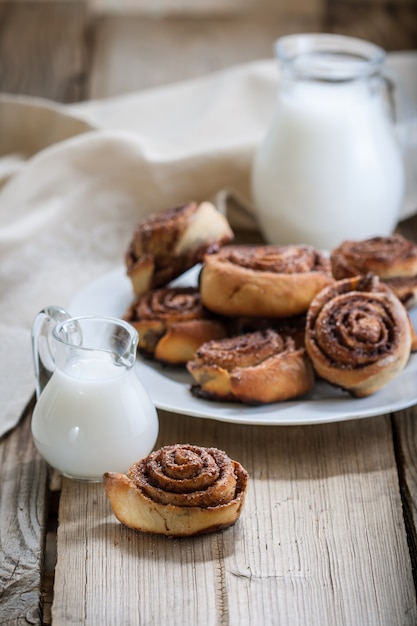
column 293, row 326
column 263, row 281
column 358, row 335
column 392, row 258
column 172, row 324
column 167, row 244
column 179, row 491
column 253, row 368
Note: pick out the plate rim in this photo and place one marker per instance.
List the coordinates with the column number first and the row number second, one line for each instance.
column 231, row 412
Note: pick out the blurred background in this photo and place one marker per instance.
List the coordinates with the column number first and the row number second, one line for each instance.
column 108, row 47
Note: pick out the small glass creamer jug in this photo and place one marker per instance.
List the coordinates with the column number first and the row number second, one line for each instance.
column 331, row 166
column 92, row 413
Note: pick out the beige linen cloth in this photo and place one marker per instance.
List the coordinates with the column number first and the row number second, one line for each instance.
column 75, row 180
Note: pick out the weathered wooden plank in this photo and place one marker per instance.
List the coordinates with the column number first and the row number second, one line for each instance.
column 42, row 52
column 43, row 48
column 390, row 25
column 23, row 517
column 133, row 52
column 333, row 491
column 405, row 436
column 220, row 8
column 321, row 539
column 319, row 496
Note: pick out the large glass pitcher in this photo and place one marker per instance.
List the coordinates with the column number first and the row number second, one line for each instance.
column 331, row 167
column 92, row 413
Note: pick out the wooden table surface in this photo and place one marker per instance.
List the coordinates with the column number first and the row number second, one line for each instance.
column 328, row 532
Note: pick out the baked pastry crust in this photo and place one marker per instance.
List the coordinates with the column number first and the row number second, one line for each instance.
column 358, row 335
column 253, row 368
column 392, row 258
column 167, row 244
column 413, row 336
column 172, row 323
column 179, row 491
column 405, row 288
column 263, row 281
column 293, row 326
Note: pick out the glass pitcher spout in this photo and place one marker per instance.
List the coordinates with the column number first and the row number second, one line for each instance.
column 59, row 339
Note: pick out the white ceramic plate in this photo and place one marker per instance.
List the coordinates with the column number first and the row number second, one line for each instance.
column 169, row 388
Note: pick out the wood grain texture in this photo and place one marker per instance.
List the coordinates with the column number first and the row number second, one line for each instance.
column 390, row 25
column 134, row 52
column 320, row 541
column 405, row 437
column 43, row 49
column 42, row 52
column 195, row 8
column 23, row 515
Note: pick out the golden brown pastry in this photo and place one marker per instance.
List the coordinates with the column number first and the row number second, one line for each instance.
column 293, row 326
column 172, row 324
column 392, row 258
column 167, row 244
column 413, row 336
column 253, row 368
column 358, row 335
column 263, row 281
column 179, row 491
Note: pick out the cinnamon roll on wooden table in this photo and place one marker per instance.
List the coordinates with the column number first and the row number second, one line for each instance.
column 179, row 491
column 358, row 335
column 172, row 323
column 263, row 281
column 392, row 258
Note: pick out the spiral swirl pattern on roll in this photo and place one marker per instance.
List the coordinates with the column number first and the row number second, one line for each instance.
column 246, row 350
column 392, row 258
column 254, row 368
column 172, row 323
column 170, row 304
column 387, row 257
column 179, row 491
column 358, row 335
column 186, row 475
column 355, row 330
column 278, row 259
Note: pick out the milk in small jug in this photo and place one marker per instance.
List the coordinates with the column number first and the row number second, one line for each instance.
column 92, row 414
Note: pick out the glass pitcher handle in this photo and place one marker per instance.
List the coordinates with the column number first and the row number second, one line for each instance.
column 400, row 108
column 43, row 354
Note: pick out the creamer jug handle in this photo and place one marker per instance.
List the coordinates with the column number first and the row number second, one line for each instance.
column 43, row 355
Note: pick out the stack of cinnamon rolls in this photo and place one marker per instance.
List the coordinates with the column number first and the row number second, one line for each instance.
column 264, row 321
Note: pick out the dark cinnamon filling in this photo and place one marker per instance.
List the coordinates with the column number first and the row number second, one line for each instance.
column 186, row 476
column 354, row 330
column 245, row 350
column 277, row 259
